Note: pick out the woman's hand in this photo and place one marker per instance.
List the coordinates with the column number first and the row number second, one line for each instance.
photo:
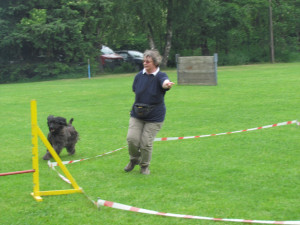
column 167, row 84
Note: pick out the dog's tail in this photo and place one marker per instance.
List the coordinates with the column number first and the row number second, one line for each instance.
column 71, row 121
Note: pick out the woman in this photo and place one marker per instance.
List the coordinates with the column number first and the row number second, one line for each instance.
column 148, row 111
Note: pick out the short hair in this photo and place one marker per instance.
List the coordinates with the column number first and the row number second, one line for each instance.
column 154, row 55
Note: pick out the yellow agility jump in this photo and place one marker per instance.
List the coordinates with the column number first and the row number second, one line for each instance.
column 36, row 132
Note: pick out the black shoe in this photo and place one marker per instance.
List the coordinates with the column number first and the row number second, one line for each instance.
column 130, row 166
column 145, row 170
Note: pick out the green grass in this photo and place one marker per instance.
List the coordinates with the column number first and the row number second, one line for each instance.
column 250, row 175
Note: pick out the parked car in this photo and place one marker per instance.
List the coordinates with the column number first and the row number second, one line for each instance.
column 109, row 58
column 133, row 57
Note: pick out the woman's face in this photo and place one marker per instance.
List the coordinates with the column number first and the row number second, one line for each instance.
column 149, row 65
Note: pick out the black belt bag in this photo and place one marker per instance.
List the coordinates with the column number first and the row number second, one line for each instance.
column 142, row 110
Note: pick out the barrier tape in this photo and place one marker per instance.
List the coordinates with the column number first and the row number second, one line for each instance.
column 232, row 132
column 120, row 206
column 180, row 138
column 59, row 174
column 115, row 205
column 52, row 164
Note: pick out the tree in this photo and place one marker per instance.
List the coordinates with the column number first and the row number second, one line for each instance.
column 271, row 32
column 49, row 37
column 169, row 33
column 195, row 26
column 153, row 19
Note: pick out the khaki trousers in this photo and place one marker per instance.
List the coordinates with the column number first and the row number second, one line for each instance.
column 140, row 137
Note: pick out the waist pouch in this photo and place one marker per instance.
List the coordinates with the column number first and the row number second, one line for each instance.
column 142, row 110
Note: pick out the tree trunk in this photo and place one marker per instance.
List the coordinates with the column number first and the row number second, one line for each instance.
column 169, row 34
column 204, row 48
column 271, row 33
column 150, row 37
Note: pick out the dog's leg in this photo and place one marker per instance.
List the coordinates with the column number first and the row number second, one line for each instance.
column 47, row 156
column 58, row 148
column 71, row 149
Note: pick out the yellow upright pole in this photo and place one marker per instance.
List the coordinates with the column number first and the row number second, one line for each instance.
column 35, row 159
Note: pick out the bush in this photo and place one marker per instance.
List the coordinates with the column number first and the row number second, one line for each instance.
column 124, row 68
column 27, row 71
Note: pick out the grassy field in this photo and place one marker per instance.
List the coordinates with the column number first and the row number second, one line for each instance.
column 252, row 175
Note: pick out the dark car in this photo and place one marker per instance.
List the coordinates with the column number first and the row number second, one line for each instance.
column 109, row 59
column 133, row 57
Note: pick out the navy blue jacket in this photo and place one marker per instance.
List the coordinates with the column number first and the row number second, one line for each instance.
column 148, row 90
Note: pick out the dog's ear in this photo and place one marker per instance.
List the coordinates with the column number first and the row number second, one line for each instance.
column 50, row 117
column 62, row 121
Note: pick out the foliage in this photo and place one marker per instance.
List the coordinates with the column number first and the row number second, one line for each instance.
column 68, row 32
column 249, row 175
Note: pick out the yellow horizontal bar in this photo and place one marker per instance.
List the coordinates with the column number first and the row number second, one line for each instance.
column 60, row 192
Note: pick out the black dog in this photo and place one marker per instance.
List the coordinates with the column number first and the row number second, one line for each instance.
column 61, row 135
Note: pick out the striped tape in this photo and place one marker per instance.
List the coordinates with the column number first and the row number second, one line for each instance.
column 181, row 138
column 52, row 164
column 232, row 132
column 59, row 174
column 115, row 205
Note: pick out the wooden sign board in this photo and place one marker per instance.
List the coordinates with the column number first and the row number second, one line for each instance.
column 197, row 70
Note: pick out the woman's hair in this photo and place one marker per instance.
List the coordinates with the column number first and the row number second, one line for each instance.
column 154, row 55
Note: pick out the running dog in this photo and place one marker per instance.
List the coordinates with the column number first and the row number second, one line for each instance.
column 61, row 135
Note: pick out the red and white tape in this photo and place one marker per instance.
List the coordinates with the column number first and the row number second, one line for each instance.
column 115, row 205
column 232, row 132
column 59, row 174
column 181, row 138
column 52, row 164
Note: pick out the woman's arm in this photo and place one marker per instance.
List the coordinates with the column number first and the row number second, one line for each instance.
column 167, row 84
